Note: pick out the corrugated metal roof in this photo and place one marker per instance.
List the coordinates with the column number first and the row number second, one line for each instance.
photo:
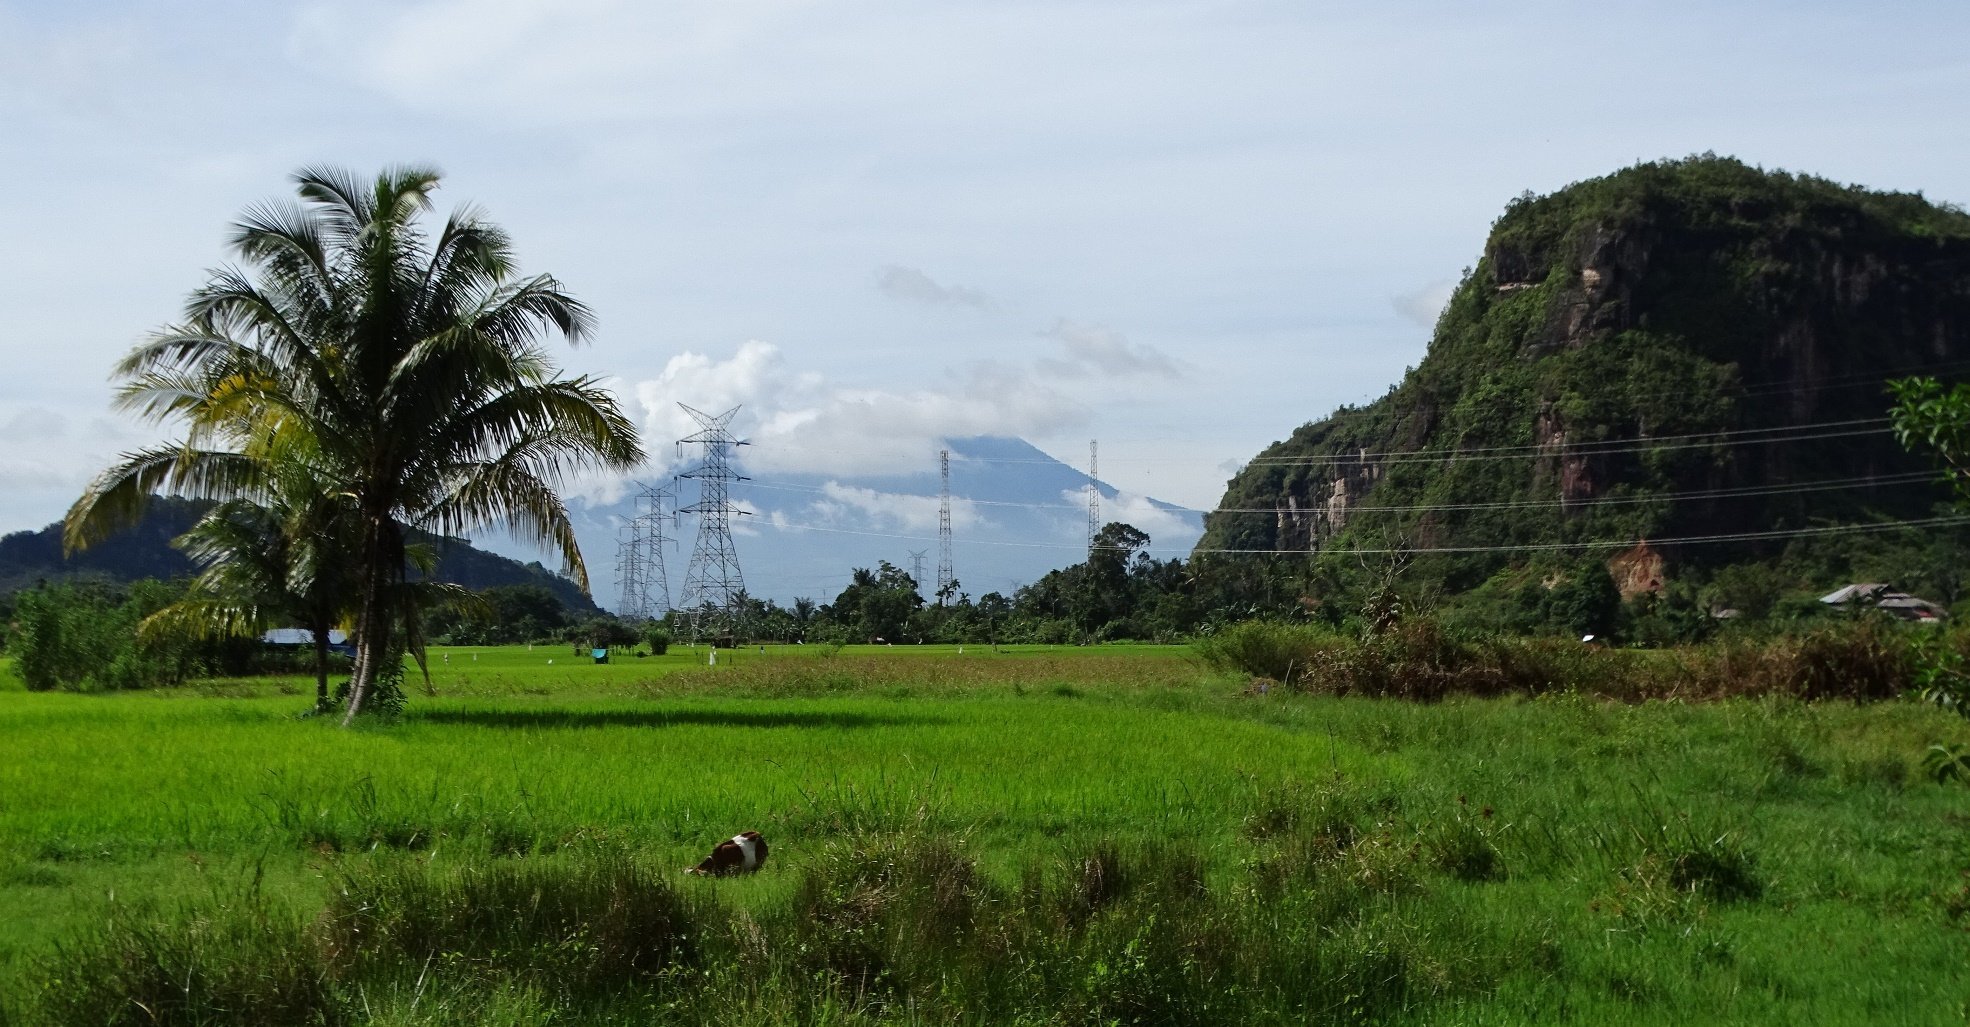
column 301, row 636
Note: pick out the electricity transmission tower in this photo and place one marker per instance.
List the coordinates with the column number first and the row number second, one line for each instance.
column 713, row 583
column 916, row 565
column 640, row 570
column 946, row 576
column 1094, row 499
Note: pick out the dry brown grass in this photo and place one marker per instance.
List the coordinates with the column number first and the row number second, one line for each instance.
column 903, row 675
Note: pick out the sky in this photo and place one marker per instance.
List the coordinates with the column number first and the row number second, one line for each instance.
column 1181, row 229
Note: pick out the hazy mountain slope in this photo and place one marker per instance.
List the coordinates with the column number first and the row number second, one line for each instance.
column 1016, row 514
column 145, row 551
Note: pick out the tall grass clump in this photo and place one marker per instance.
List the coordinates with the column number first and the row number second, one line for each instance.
column 571, row 926
column 878, row 927
column 1420, row 659
column 875, row 915
column 233, row 963
column 1268, row 649
column 1864, row 659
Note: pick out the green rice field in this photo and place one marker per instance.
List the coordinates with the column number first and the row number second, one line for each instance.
column 1098, row 835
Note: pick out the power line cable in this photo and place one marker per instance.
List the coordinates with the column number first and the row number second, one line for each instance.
column 1830, row 485
column 1824, row 485
column 1604, row 447
column 1685, row 540
column 1593, row 446
column 1773, row 533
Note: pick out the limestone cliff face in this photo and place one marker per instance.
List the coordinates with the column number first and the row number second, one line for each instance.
column 1632, row 357
column 1321, row 511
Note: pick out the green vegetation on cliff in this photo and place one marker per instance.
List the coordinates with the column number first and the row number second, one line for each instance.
column 1681, row 349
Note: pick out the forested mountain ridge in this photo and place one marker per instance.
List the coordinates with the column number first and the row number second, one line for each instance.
column 1673, row 350
column 144, row 550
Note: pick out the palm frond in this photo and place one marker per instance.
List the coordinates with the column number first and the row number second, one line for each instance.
column 579, row 407
column 283, row 240
column 115, row 499
column 201, row 618
column 176, row 347
column 507, row 494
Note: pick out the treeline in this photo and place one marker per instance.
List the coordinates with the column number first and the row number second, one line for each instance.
column 519, row 614
column 1121, row 593
column 83, row 636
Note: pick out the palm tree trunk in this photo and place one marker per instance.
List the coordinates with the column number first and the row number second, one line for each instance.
column 374, row 633
column 321, row 667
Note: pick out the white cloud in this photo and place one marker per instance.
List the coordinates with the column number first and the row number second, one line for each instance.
column 706, row 172
column 894, row 509
column 908, row 283
column 1100, row 350
column 34, row 424
column 557, row 61
column 1139, row 511
column 745, row 517
column 70, row 70
column 801, row 422
column 1426, row 304
column 56, row 451
column 18, row 474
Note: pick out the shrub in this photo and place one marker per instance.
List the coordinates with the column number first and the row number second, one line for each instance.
column 1423, row 660
column 1941, row 675
column 877, row 910
column 591, row 922
column 1267, row 649
column 221, row 966
column 84, row 636
column 1945, row 763
column 877, row 927
column 1860, row 660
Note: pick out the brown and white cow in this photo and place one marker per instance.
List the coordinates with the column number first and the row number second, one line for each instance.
column 743, row 853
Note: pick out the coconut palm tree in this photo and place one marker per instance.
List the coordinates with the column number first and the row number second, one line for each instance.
column 403, row 369
column 263, row 566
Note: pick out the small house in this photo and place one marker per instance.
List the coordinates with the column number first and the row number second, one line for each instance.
column 1879, row 596
column 298, row 638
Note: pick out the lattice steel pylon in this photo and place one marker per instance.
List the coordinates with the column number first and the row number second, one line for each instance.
column 1094, row 499
column 630, row 603
column 946, row 575
column 713, row 582
column 645, row 585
